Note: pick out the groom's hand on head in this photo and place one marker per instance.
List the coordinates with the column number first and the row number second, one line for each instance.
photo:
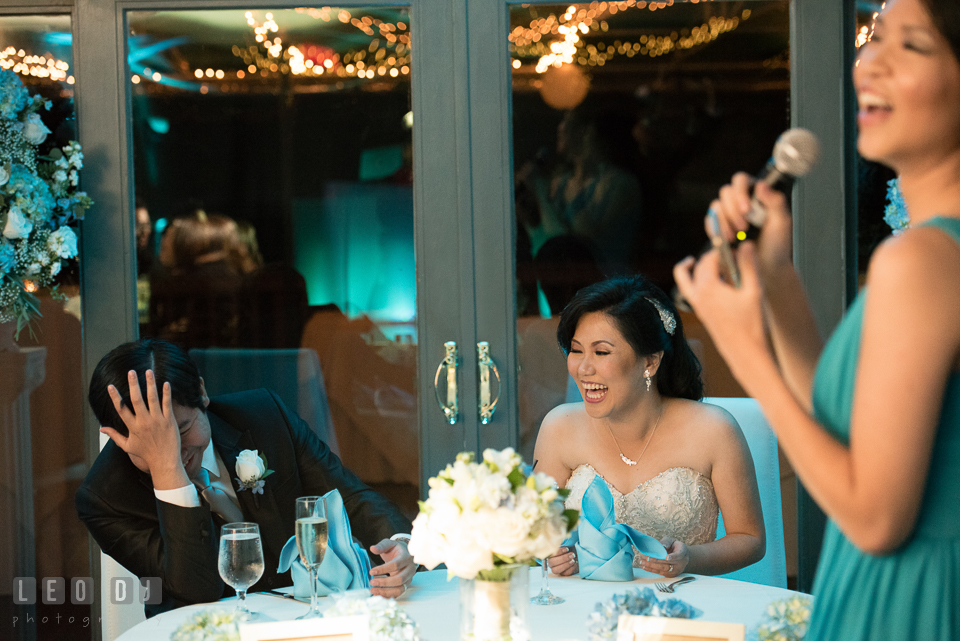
column 395, row 575
column 153, row 437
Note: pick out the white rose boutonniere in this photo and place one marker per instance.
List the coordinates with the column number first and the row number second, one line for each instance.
column 251, row 470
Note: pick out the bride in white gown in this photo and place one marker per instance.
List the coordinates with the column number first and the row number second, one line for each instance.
column 670, row 461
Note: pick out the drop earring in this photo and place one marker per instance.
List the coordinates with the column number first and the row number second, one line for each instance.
column 646, row 375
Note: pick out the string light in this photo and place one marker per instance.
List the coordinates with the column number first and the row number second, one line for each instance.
column 270, row 56
column 566, row 45
column 25, row 64
column 866, row 31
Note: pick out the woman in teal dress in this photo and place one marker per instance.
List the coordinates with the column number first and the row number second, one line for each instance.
column 871, row 421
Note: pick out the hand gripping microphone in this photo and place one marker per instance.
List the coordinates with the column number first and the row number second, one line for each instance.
column 794, row 154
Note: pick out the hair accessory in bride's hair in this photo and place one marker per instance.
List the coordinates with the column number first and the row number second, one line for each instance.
column 669, row 322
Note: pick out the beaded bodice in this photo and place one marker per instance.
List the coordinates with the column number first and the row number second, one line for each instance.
column 679, row 502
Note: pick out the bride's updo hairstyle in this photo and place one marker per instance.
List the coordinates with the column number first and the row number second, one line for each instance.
column 645, row 316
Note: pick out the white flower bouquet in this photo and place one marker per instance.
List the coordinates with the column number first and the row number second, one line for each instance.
column 209, row 625
column 483, row 516
column 40, row 203
column 788, row 620
column 387, row 620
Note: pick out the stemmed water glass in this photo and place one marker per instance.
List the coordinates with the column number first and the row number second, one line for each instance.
column 546, row 597
column 241, row 561
column 312, row 536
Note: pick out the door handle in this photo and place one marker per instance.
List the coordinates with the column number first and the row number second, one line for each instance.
column 445, row 383
column 488, row 397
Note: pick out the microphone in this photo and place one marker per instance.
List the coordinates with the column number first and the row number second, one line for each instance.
column 794, row 154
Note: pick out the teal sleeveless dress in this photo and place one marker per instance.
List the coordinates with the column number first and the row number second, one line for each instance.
column 914, row 592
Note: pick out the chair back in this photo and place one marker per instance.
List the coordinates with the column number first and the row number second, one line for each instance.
column 116, row 618
column 294, row 374
column 772, row 568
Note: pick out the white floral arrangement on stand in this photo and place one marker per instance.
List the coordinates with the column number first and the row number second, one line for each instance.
column 387, row 620
column 788, row 620
column 210, row 625
column 40, row 203
column 482, row 516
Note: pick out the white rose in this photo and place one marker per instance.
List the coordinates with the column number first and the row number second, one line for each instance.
column 549, row 537
column 55, row 268
column 468, row 556
column 427, row 546
column 249, row 466
column 4, row 175
column 18, row 225
column 63, row 243
column 34, row 130
column 506, row 532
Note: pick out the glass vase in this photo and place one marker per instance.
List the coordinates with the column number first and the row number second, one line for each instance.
column 493, row 606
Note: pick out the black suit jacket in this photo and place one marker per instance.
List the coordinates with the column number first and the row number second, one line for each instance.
column 180, row 545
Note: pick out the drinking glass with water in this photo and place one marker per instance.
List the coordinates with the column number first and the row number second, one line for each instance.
column 241, row 561
column 312, row 534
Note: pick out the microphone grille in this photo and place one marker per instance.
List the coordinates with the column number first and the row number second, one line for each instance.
column 796, row 152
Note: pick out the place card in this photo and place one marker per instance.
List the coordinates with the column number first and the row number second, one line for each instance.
column 354, row 628
column 632, row 627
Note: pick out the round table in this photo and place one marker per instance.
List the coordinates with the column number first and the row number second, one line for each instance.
column 434, row 603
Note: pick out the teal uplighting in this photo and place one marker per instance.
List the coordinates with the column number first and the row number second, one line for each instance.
column 354, row 247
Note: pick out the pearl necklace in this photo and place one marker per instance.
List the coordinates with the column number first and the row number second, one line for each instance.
column 626, row 459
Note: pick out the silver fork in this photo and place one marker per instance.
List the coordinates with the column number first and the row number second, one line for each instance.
column 670, row 587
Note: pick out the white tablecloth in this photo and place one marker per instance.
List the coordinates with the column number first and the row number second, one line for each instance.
column 434, row 603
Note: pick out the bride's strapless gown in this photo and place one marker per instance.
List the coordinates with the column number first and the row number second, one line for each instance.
column 679, row 502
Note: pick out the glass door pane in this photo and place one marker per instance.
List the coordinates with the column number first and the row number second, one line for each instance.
column 274, row 187
column 41, row 387
column 879, row 209
column 627, row 118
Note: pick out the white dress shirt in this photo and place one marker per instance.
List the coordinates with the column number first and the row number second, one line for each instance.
column 187, row 496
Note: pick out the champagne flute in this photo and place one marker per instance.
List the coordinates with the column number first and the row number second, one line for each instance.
column 311, row 532
column 546, row 597
column 241, row 561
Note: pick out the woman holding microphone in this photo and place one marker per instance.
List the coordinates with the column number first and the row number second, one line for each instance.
column 871, row 421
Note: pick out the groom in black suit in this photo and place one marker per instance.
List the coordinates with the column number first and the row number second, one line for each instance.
column 140, row 499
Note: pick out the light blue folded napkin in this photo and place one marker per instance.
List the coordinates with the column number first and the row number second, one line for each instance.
column 345, row 565
column 605, row 547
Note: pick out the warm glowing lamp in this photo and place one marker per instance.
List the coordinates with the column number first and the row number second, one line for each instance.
column 564, row 87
